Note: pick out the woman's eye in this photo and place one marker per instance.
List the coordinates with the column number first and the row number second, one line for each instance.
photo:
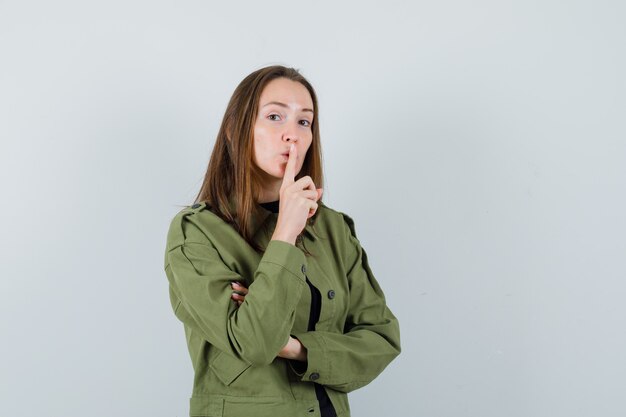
column 276, row 117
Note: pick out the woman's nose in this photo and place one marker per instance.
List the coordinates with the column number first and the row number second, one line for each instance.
column 291, row 133
column 290, row 138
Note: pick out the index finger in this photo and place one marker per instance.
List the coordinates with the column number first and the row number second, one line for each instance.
column 290, row 169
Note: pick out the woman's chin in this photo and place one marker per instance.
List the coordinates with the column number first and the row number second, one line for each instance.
column 279, row 171
column 275, row 174
column 275, row 171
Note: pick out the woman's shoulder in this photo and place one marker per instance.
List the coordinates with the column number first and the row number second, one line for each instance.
column 335, row 219
column 195, row 224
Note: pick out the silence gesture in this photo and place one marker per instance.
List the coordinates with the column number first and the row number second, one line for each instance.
column 298, row 201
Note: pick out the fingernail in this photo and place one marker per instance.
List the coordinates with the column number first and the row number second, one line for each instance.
column 291, row 147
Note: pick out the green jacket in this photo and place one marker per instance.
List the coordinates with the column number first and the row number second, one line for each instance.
column 233, row 349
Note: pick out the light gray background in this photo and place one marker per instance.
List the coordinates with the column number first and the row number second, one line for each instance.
column 479, row 146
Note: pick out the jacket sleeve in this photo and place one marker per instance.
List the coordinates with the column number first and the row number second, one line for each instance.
column 200, row 293
column 371, row 337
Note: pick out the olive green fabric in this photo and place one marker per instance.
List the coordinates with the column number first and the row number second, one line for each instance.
column 233, row 349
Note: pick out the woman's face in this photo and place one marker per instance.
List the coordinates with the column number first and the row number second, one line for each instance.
column 285, row 116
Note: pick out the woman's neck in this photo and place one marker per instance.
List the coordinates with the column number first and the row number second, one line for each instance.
column 271, row 193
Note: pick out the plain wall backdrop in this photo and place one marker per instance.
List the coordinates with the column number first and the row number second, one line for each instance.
column 480, row 147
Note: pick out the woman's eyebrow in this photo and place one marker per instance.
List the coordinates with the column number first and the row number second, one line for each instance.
column 278, row 103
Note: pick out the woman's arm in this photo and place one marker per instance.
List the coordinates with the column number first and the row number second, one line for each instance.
column 200, row 293
column 293, row 349
column 371, row 338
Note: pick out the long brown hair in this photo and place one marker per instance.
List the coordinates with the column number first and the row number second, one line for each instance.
column 231, row 176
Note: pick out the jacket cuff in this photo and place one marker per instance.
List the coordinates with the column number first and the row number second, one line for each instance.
column 286, row 255
column 317, row 366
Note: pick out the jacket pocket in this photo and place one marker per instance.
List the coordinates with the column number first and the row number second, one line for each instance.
column 228, row 368
column 258, row 407
column 205, row 406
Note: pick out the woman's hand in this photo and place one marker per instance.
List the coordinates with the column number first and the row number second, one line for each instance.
column 293, row 349
column 239, row 292
column 298, row 202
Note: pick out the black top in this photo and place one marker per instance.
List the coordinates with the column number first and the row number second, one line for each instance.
column 271, row 206
column 326, row 406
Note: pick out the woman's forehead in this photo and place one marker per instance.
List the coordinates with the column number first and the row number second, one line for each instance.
column 282, row 91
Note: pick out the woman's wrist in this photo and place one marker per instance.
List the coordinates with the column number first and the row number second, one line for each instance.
column 280, row 236
column 299, row 351
column 293, row 350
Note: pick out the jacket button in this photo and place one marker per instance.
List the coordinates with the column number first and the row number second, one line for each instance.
column 331, row 294
column 314, row 376
column 195, row 206
column 303, row 269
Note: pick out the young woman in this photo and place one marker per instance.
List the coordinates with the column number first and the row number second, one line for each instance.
column 282, row 314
